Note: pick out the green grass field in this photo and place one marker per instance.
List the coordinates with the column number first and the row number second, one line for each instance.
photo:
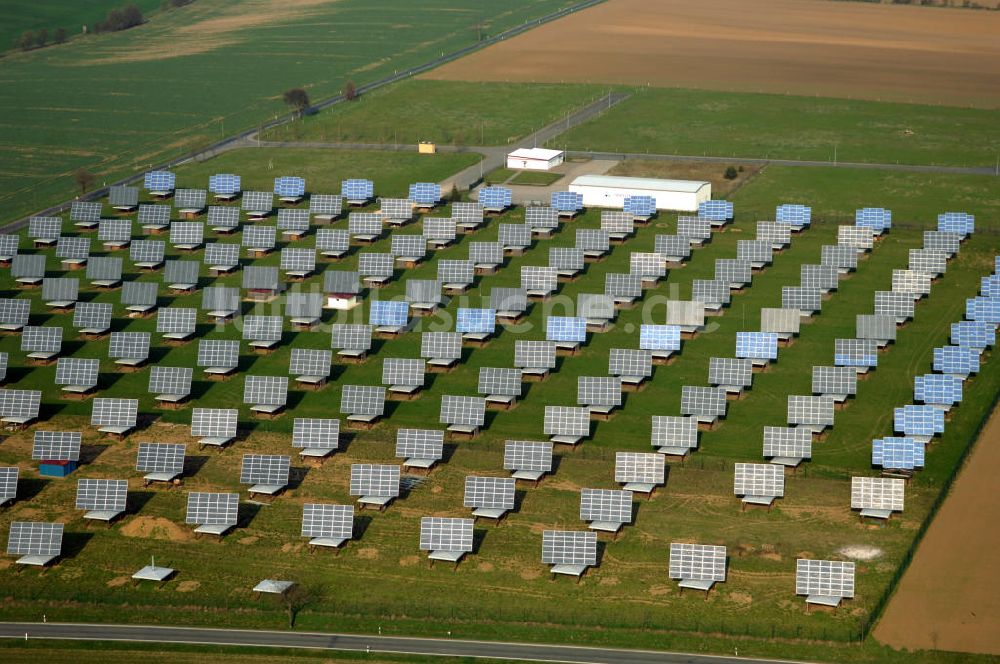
column 703, row 122
column 536, row 178
column 445, row 112
column 71, row 15
column 627, row 600
column 114, row 104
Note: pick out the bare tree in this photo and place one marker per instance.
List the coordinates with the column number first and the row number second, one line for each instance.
column 298, row 99
column 41, row 38
column 296, row 598
column 84, row 179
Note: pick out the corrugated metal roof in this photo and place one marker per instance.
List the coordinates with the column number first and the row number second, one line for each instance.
column 652, row 184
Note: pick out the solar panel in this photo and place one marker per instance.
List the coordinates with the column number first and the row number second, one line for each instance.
column 891, row 303
column 710, row 291
column 694, row 228
column 364, row 223
column 260, row 202
column 509, row 299
column 733, row 271
column 647, row 265
column 942, row 241
column 147, row 251
column 599, row 391
column 310, row 433
column 259, row 277
column 31, row 538
column 423, row 291
column 877, row 219
column 259, row 237
column 27, row 266
column 564, row 328
column 288, row 186
column 352, row 337
column 327, row 521
column 41, row 339
column 730, row 372
column 330, row 239
column 595, row 306
column 475, row 321
column 375, row 265
column 660, row 337
column 441, row 345
column 222, row 255
column 754, row 251
column 310, row 362
column 541, row 218
column 419, row 444
column 757, row 345
column 495, row 198
column 703, row 401
column 926, row 260
column 187, row 232
column 793, row 215
column 937, row 389
column 499, row 381
column 154, row 215
column 176, row 320
column 822, row 277
column 962, row 223
column 673, row 247
column 326, row 205
column 588, row 239
column 50, row 227
column 567, row 201
column 617, row 223
column 160, row 458
column 676, row 432
column 824, row 578
column 469, row 411
column 539, row 278
column 73, row 248
column 213, row 422
column 715, row 210
column 170, row 380
column 362, row 400
column 983, row 309
column 623, row 285
column 340, row 281
column 61, row 289
column 408, row 246
column 990, row 286
column 774, row 233
column 566, row 421
column 834, row 380
column 489, row 492
column 212, row 509
column 114, row 230
column 534, row 354
column 803, row 299
column 20, row 404
column 810, row 410
column 956, row 360
column 159, row 181
column 114, row 412
column 402, row 371
column 924, row 421
column 639, row 467
column 787, row 442
column 440, row 229
column 606, row 505
column 527, row 455
column 218, row 353
column 374, row 480
column 879, row 328
column 569, row 547
column 758, row 479
column 855, row 353
column 77, row 371
column 293, row 220
column 14, row 312
column 262, row 328
column 456, row 272
column 467, row 213
column 515, row 235
column 190, row 199
column 877, row 493
column 630, row 362
column 265, row 390
column 856, row 238
column 357, row 190
column 911, row 283
column 427, row 193
column 697, row 562
column 123, row 197
column 9, row 244
column 226, row 184
column 973, row 334
column 388, row 313
column 639, row 206
column 897, row 453
column 842, row 258
column 264, row 469
column 93, row 494
column 107, row 268
column 56, row 446
column 486, row 252
column 446, row 534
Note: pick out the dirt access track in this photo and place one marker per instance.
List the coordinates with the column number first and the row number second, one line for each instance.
column 803, row 47
column 947, row 599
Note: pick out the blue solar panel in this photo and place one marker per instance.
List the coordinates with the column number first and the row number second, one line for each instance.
column 915, row 420
column 159, row 181
column 990, row 286
column 640, row 206
column 757, row 345
column 357, row 190
column 937, row 389
column 563, row 328
column 426, row 193
column 476, row 320
column 878, row 219
column 289, row 186
column 567, row 201
column 956, row 360
column 224, row 183
column 973, row 334
column 956, row 222
column 983, row 309
column 660, row 337
column 716, row 210
column 793, row 215
column 495, row 198
column 897, row 453
column 388, row 312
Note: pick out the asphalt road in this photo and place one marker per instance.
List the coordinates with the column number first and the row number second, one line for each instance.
column 374, row 644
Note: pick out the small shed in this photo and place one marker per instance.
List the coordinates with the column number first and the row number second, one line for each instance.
column 535, row 159
column 426, row 147
column 55, row 468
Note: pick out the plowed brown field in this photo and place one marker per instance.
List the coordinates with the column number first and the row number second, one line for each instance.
column 837, row 49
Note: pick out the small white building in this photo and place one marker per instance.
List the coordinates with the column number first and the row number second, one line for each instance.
column 535, row 159
column 610, row 191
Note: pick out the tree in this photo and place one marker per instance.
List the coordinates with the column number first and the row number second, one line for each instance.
column 298, row 99
column 41, row 38
column 84, row 179
column 296, row 598
column 731, row 173
column 60, row 36
column 350, row 91
column 26, row 40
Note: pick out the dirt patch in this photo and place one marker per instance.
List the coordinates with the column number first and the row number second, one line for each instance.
column 117, row 582
column 689, row 170
column 409, row 561
column 860, row 552
column 809, row 47
column 947, row 598
column 246, row 541
column 485, row 567
column 370, row 553
column 188, row 586
column 530, row 573
column 154, row 527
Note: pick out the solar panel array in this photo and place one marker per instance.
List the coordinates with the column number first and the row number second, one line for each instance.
column 567, row 201
column 825, row 578
column 214, row 422
column 265, row 390
column 879, row 493
column 758, row 479
column 730, row 372
column 403, row 371
column 788, row 442
column 99, row 494
column 114, row 412
column 159, row 181
column 697, row 562
column 441, row 345
column 956, row 360
column 606, row 505
column 569, row 547
column 961, row 223
column 352, row 336
column 289, row 187
column 897, row 453
column 425, row 193
column 388, row 313
column 362, row 400
column 528, row 455
column 468, row 411
column 490, row 492
column 260, row 202
column 77, row 371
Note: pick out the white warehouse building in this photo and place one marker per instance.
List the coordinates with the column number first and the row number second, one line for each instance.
column 535, row 159
column 610, row 191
